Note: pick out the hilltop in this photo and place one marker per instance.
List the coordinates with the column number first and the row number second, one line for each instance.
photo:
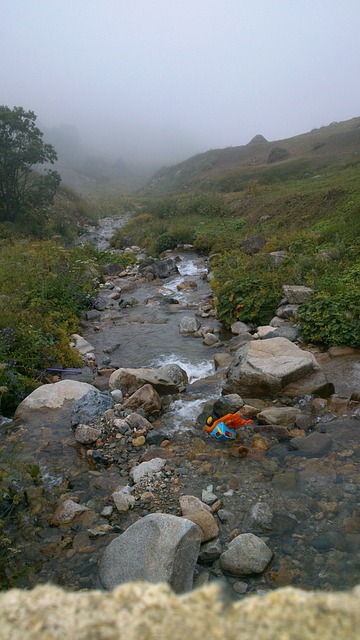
column 333, row 146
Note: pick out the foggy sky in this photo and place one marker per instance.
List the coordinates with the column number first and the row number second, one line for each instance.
column 164, row 79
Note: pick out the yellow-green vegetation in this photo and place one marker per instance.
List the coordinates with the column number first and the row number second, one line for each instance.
column 315, row 221
column 44, row 287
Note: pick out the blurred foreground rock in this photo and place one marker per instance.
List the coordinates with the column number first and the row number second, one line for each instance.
column 146, row 611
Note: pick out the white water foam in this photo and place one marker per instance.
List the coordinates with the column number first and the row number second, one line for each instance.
column 190, row 268
column 184, row 413
column 194, row 370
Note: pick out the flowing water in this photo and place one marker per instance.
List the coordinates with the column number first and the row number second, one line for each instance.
column 315, row 533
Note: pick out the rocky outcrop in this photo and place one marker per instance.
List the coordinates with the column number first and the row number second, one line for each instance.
column 157, row 548
column 142, row 611
column 277, row 154
column 264, row 368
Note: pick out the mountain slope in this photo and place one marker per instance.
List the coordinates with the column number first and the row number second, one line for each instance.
column 335, row 145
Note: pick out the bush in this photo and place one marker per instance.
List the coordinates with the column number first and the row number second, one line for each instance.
column 247, row 288
column 332, row 317
column 43, row 289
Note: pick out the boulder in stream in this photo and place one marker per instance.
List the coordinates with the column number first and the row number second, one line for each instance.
column 53, row 396
column 145, row 398
column 167, row 379
column 158, row 548
column 158, row 268
column 265, row 367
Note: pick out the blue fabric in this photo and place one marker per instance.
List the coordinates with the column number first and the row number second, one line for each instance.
column 222, row 432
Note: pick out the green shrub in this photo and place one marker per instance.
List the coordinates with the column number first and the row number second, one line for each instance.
column 164, row 242
column 247, row 288
column 331, row 320
column 43, row 290
column 332, row 317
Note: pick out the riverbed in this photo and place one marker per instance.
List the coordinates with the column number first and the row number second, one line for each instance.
column 315, row 537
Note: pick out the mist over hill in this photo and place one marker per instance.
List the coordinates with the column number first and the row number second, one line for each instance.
column 88, row 171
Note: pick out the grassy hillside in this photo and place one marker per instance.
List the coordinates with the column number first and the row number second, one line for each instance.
column 306, row 205
column 334, row 146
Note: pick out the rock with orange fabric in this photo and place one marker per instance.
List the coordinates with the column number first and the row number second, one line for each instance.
column 225, row 428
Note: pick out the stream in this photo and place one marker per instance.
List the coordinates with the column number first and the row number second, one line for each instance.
column 315, row 534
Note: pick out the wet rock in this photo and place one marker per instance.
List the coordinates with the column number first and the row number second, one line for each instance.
column 81, row 345
column 285, row 331
column 154, row 437
column 86, row 435
column 240, row 587
column 259, row 519
column 158, row 268
column 157, row 548
column 264, row 367
column 277, row 431
column 123, row 501
column 138, row 442
column 90, row 406
column 230, row 403
column 66, row 513
column 314, row 445
column 208, row 496
column 222, row 360
column 199, row 513
column 167, row 379
column 210, row 339
column 210, row 551
column 147, row 469
column 137, row 422
column 189, row 324
column 279, row 415
column 315, row 383
column 305, row 421
column 247, row 554
column 239, row 327
column 145, row 398
column 264, row 331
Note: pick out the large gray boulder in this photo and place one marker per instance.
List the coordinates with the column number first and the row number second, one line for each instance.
column 53, row 396
column 167, row 379
column 266, row 367
column 158, row 548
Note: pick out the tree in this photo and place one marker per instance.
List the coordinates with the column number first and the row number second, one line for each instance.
column 23, row 190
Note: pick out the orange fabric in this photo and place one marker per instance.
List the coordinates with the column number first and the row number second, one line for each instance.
column 232, row 420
